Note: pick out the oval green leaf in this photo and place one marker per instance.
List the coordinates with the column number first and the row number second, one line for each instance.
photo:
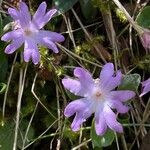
column 64, row 6
column 143, row 19
column 101, row 141
column 130, row 82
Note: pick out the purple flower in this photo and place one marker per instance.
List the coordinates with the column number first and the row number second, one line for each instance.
column 30, row 32
column 97, row 97
column 146, row 87
column 145, row 39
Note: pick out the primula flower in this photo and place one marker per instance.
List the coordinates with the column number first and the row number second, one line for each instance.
column 97, row 97
column 29, row 31
column 145, row 39
column 146, row 87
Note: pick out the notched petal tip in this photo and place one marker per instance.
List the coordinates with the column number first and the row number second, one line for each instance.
column 14, row 13
column 119, row 128
column 109, row 65
column 74, row 128
column 130, row 94
column 100, row 132
column 67, row 112
column 43, row 4
column 76, row 124
column 52, row 12
column 3, row 38
column 78, row 71
column 61, row 38
column 23, row 5
column 7, row 50
column 65, row 81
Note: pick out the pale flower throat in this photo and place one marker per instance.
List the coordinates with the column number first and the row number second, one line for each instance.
column 28, row 32
column 97, row 93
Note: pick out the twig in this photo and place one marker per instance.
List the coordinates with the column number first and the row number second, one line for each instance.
column 71, row 53
column 25, row 137
column 32, row 91
column 88, row 36
column 117, row 143
column 40, row 136
column 20, row 93
column 82, row 144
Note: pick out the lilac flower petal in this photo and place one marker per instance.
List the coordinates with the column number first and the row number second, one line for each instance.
column 100, row 123
column 107, row 72
column 51, row 45
column 145, row 39
column 35, row 55
column 39, row 14
column 15, row 34
column 72, row 85
column 107, row 78
column 116, row 80
column 25, row 17
column 76, row 106
column 113, row 81
column 83, row 75
column 78, row 120
column 122, row 95
column 52, row 36
column 46, row 18
column 14, row 45
column 31, row 51
column 119, row 106
column 146, row 89
column 85, row 80
column 27, row 51
column 13, row 13
column 146, row 82
column 80, row 117
column 82, row 112
column 111, row 121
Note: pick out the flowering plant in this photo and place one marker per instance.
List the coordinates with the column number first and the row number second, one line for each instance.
column 98, row 97
column 29, row 31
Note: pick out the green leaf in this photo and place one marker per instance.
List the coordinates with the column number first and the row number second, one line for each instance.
column 101, row 141
column 130, row 82
column 2, row 87
column 88, row 10
column 143, row 19
column 7, row 134
column 64, row 6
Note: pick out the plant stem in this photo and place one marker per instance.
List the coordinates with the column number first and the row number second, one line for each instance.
column 20, row 93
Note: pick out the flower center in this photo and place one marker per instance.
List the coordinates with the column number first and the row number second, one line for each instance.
column 28, row 32
column 98, row 94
